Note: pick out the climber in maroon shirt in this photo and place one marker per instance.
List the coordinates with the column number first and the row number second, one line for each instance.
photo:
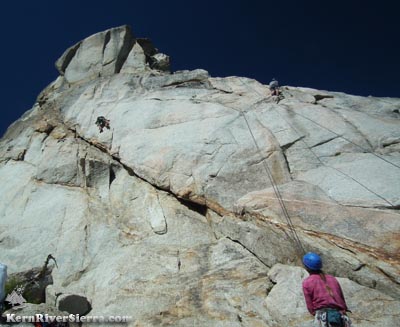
column 323, row 295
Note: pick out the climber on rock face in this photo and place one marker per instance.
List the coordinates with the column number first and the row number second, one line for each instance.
column 323, row 295
column 102, row 122
column 274, row 87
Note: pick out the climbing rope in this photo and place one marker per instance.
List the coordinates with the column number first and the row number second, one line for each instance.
column 348, row 140
column 338, row 135
column 292, row 228
column 328, row 129
column 336, row 169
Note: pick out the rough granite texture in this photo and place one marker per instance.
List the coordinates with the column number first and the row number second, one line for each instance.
column 171, row 216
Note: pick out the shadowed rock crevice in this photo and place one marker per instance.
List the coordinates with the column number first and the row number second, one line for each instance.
column 180, row 224
column 190, row 83
column 147, row 46
column 65, row 60
column 389, row 143
column 287, row 162
column 288, row 145
column 196, row 207
column 128, row 43
column 154, row 59
column 191, row 205
column 325, row 141
column 338, row 112
column 247, row 249
column 112, row 174
column 319, row 97
column 107, row 39
column 394, row 279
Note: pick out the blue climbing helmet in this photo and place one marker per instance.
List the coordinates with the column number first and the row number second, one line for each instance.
column 312, row 261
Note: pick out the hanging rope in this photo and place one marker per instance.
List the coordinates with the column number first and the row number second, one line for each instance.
column 348, row 140
column 337, row 169
column 328, row 129
column 338, row 135
column 296, row 238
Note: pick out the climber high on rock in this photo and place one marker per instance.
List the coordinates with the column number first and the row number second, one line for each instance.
column 102, row 122
column 274, row 87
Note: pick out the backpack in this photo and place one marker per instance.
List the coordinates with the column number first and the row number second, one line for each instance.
column 334, row 318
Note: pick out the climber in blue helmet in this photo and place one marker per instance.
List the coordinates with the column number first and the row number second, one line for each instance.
column 323, row 295
column 312, row 261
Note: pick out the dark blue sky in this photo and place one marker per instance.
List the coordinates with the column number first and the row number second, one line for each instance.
column 350, row 46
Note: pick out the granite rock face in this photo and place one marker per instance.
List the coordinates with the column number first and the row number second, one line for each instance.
column 172, row 217
column 107, row 53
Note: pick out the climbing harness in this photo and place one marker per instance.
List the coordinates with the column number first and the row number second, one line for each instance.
column 331, row 318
